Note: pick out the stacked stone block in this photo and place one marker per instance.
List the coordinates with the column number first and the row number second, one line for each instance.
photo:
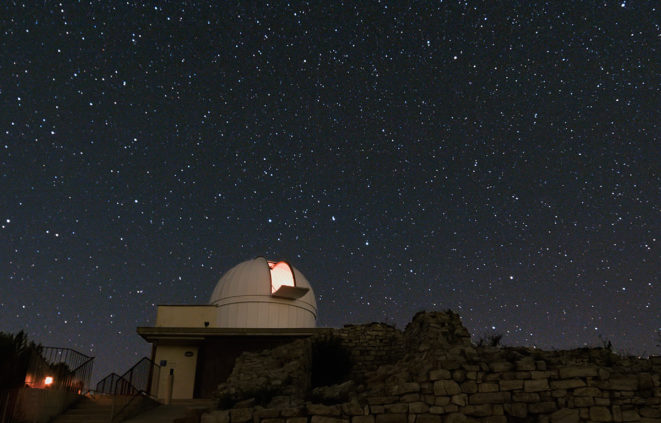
column 447, row 380
column 371, row 346
column 282, row 373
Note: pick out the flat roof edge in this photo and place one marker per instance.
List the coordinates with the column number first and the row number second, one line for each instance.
column 186, row 305
column 151, row 332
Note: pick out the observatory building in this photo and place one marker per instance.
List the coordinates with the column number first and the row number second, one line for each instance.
column 257, row 304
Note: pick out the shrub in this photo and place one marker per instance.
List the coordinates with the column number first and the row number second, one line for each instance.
column 15, row 355
column 490, row 340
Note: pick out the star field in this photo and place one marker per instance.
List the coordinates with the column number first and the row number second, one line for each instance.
column 500, row 160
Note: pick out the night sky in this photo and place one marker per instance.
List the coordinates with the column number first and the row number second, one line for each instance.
column 500, row 159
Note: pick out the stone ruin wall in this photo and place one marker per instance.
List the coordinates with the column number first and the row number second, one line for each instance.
column 371, row 346
column 431, row 373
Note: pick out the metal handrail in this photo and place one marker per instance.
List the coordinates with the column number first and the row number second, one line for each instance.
column 101, row 385
column 127, row 386
column 72, row 369
column 143, row 385
column 86, row 373
column 48, row 352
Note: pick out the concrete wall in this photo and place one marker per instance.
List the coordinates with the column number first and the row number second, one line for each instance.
column 41, row 405
column 182, row 360
column 186, row 316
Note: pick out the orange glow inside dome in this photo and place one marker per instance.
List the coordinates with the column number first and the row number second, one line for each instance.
column 281, row 274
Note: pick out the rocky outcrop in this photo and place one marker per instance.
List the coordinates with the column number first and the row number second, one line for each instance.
column 431, row 373
column 436, row 331
column 279, row 376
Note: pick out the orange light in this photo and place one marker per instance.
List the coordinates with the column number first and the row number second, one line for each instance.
column 281, row 274
column 48, row 381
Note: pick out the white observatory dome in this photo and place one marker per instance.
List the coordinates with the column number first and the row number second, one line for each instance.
column 260, row 293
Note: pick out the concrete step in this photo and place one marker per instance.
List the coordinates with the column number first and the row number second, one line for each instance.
column 88, row 411
column 169, row 413
column 83, row 419
column 195, row 402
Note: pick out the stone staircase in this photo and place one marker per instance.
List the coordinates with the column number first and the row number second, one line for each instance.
column 99, row 410
column 88, row 410
column 177, row 411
